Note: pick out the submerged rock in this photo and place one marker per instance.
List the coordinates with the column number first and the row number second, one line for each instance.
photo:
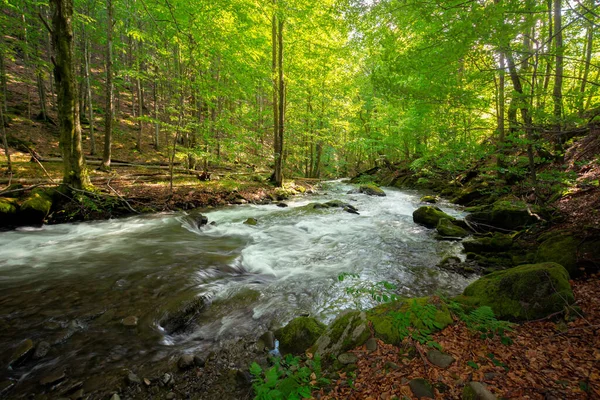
column 181, row 315
column 526, row 292
column 21, row 353
column 371, row 190
column 299, row 334
column 201, row 220
column 349, row 330
column 430, row 216
column 130, row 321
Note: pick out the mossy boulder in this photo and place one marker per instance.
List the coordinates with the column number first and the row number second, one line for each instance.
column 471, row 194
column 251, row 221
column 35, row 208
column 348, row 330
column 8, row 211
column 561, row 250
column 430, row 216
column 371, row 190
column 383, row 321
column 504, row 215
column 299, row 335
column 446, row 228
column 526, row 292
column 489, row 244
column 428, row 199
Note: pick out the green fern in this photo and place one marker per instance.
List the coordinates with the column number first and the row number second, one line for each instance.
column 483, row 320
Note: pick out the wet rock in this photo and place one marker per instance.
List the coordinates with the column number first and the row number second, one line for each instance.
column 201, row 220
column 429, row 216
column 371, row 190
column 251, row 221
column 347, row 358
column 371, row 344
column 115, row 397
column 503, row 215
column 8, row 211
column 476, row 391
column 467, row 268
column 53, row 378
column 421, row 388
column 348, row 330
column 447, row 228
column 78, row 394
column 429, row 199
column 299, row 334
column 5, row 386
column 282, row 204
column 130, row 321
column 181, row 315
column 186, row 361
column 133, row 379
column 21, row 353
column 351, row 209
column 199, row 361
column 35, row 208
column 266, row 341
column 525, row 292
column 167, row 379
column 439, row 359
column 243, row 377
column 498, row 242
column 41, row 350
column 240, row 201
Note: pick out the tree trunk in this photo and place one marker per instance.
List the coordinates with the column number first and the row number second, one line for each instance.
column 108, row 112
column 276, row 156
column 281, row 108
column 88, row 57
column 586, row 70
column 156, row 124
column 4, row 140
column 74, row 172
column 3, row 83
column 557, row 92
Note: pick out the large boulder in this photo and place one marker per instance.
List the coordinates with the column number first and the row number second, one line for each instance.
column 349, row 330
column 35, row 208
column 384, row 323
column 430, row 216
column 8, row 211
column 505, row 215
column 561, row 250
column 488, row 244
column 371, row 190
column 526, row 292
column 299, row 334
column 446, row 228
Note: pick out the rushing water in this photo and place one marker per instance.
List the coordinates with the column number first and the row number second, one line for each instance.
column 72, row 285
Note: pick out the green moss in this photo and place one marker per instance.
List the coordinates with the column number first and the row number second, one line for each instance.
column 8, row 206
column 526, row 292
column 490, row 244
column 561, row 250
column 382, row 319
column 299, row 334
column 371, row 190
column 428, row 199
column 505, row 214
column 445, row 227
column 35, row 208
column 348, row 330
column 430, row 216
column 251, row 221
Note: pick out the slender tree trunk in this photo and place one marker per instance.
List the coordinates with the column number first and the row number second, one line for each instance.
column 88, row 85
column 156, row 124
column 4, row 139
column 26, row 62
column 586, row 70
column 276, row 155
column 74, row 173
column 501, row 101
column 108, row 112
column 281, row 107
column 558, row 80
column 3, row 80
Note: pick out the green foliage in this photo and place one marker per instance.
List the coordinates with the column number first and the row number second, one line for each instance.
column 381, row 292
column 288, row 378
column 418, row 323
column 483, row 320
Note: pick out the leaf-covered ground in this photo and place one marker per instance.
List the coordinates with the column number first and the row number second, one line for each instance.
column 548, row 360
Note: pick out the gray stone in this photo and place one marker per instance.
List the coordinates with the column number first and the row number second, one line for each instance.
column 349, row 330
column 167, row 379
column 130, row 321
column 477, row 391
column 391, row 365
column 199, row 361
column 41, row 349
column 421, row 388
column 23, row 350
column 371, row 344
column 185, row 361
column 133, row 379
column 115, row 397
column 439, row 359
column 266, row 341
column 53, row 377
column 347, row 358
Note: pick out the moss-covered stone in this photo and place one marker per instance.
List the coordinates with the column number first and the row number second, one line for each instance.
column 526, row 292
column 251, row 221
column 489, row 244
column 430, row 216
column 471, row 194
column 561, row 250
column 428, row 199
column 35, row 208
column 8, row 211
column 503, row 215
column 348, row 330
column 371, row 190
column 445, row 227
column 299, row 334
column 382, row 320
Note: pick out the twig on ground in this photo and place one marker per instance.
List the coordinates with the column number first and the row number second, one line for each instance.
column 121, row 197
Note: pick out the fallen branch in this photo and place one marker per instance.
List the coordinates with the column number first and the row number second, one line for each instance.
column 121, row 197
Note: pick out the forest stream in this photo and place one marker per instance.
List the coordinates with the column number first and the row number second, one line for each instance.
column 77, row 287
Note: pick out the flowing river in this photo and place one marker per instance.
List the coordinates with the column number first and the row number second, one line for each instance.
column 73, row 285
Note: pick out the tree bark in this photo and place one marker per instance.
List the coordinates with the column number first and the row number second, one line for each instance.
column 558, row 80
column 88, row 57
column 280, row 106
column 74, row 171
column 108, row 112
column 586, row 70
